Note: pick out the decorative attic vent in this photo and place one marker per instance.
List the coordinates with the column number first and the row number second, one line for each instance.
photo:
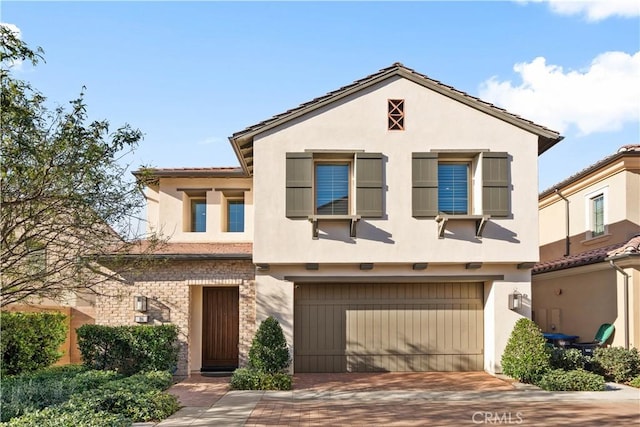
column 396, row 114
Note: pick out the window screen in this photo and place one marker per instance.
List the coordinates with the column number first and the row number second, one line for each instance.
column 332, row 189
column 453, row 188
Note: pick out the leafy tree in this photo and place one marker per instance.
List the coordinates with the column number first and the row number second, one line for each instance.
column 64, row 190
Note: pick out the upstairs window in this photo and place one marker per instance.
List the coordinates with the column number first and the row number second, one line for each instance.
column 332, row 188
column 198, row 214
column 235, row 215
column 334, row 183
column 597, row 204
column 453, row 188
column 395, row 116
column 596, row 213
column 460, row 183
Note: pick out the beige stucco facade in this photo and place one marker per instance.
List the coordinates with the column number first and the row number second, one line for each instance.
column 491, row 253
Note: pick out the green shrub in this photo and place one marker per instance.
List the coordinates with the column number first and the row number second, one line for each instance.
column 129, row 349
column 149, row 405
column 617, row 363
column 138, row 397
column 30, row 341
column 525, row 357
column 57, row 417
column 37, row 390
column 269, row 351
column 635, row 382
column 568, row 359
column 252, row 379
column 575, row 380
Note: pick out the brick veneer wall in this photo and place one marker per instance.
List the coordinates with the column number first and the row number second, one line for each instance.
column 166, row 286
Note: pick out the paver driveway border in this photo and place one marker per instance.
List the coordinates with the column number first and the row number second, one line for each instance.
column 399, row 399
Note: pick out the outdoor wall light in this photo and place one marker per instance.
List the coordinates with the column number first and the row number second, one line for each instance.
column 515, row 300
column 140, row 303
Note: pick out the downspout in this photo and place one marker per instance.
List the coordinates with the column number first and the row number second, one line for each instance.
column 567, row 241
column 626, row 301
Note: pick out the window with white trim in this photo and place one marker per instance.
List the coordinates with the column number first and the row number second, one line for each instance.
column 596, row 213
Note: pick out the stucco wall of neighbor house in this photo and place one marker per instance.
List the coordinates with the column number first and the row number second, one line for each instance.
column 171, row 211
column 275, row 296
column 359, row 122
column 622, row 212
column 578, row 300
column 167, row 286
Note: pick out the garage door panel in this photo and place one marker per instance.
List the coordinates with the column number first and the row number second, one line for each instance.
column 388, row 327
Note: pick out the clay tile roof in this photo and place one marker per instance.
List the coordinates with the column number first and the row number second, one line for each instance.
column 225, row 171
column 631, row 247
column 625, row 150
column 591, row 256
column 196, row 250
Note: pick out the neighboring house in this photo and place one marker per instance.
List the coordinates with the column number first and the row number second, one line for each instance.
column 589, row 269
column 387, row 225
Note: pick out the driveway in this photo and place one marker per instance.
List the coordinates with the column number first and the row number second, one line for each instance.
column 399, row 399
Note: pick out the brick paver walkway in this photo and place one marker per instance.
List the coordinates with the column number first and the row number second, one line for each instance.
column 398, row 399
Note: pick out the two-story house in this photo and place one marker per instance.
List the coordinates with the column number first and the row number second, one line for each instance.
column 589, row 269
column 390, row 225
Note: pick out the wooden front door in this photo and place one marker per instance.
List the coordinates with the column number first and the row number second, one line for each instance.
column 220, row 328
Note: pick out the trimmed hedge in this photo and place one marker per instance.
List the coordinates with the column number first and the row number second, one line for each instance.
column 526, row 357
column 251, row 379
column 616, row 363
column 576, row 380
column 129, row 349
column 30, row 341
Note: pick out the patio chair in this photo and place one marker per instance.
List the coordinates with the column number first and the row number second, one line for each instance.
column 602, row 336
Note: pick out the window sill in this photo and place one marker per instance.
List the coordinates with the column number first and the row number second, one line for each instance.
column 443, row 219
column 353, row 221
column 597, row 239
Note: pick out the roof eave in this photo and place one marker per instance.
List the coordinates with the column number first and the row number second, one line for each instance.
column 547, row 137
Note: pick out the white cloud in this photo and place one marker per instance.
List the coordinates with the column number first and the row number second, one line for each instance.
column 600, row 98
column 594, row 10
column 16, row 64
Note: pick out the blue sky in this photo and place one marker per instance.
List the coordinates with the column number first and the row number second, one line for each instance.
column 191, row 74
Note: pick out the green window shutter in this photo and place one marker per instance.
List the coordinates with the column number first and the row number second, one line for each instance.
column 299, row 195
column 369, row 190
column 424, row 171
column 495, row 184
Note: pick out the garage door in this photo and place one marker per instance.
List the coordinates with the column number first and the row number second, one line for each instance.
column 388, row 327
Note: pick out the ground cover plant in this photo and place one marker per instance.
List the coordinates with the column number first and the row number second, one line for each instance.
column 76, row 396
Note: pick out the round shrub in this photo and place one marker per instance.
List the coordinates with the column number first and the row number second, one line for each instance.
column 568, row 359
column 526, row 357
column 617, row 363
column 576, row 380
column 269, row 351
column 635, row 382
